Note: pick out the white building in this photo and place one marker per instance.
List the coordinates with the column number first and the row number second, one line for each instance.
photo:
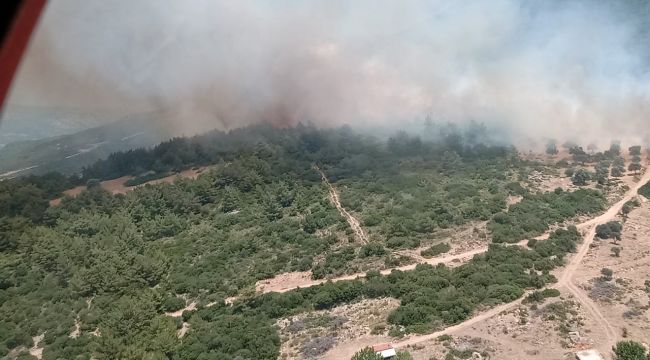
column 590, row 354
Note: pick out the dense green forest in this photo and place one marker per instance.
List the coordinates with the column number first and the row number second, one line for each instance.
column 115, row 264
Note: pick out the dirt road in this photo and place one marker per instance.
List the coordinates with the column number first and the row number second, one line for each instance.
column 334, row 198
column 565, row 280
column 567, row 276
column 287, row 282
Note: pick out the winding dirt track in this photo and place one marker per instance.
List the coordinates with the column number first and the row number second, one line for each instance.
column 334, row 198
column 567, row 276
column 589, row 230
column 306, row 281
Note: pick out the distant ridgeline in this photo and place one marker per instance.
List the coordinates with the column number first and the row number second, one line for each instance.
column 300, row 142
column 107, row 265
column 287, row 148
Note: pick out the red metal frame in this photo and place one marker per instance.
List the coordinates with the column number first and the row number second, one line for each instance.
column 16, row 41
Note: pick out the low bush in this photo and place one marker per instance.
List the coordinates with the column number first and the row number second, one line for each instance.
column 610, row 230
column 436, row 249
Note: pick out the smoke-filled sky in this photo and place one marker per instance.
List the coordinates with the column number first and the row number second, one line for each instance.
column 540, row 68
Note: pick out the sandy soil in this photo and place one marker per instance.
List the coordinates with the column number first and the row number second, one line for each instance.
column 629, row 307
column 189, row 307
column 522, row 332
column 511, row 200
column 183, row 330
column 77, row 329
column 70, row 192
column 185, row 327
column 37, row 350
column 116, row 186
column 338, row 324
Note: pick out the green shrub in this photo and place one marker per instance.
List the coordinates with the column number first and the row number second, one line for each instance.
column 533, row 215
column 607, row 273
column 402, row 242
column 173, row 303
column 550, row 293
column 610, row 230
column 366, row 354
column 372, row 249
column 630, row 350
column 645, row 190
column 436, row 249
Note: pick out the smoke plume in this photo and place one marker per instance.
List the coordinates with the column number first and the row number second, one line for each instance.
column 540, row 69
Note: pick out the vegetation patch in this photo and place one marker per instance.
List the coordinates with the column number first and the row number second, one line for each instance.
column 604, row 290
column 610, row 230
column 564, row 313
column 539, row 296
column 645, row 190
column 318, row 346
column 146, row 177
column 533, row 215
column 630, row 350
column 436, row 249
column 432, row 296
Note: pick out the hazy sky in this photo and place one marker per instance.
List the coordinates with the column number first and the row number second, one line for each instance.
column 541, row 68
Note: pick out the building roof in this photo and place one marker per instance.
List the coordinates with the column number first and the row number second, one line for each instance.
column 590, row 354
column 381, row 347
column 385, row 350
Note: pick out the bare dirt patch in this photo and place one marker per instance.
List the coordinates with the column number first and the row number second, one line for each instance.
column 313, row 334
column 464, row 238
column 37, row 349
column 185, row 326
column 511, row 200
column 624, row 300
column 548, row 182
column 117, row 186
column 77, row 329
column 550, row 330
column 463, row 347
column 285, row 282
column 189, row 307
column 70, row 192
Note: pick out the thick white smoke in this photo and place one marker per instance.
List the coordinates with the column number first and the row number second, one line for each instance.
column 556, row 69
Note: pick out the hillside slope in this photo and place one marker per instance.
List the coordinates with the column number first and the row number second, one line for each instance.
column 69, row 153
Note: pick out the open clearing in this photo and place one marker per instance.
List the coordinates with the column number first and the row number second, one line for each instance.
column 117, row 186
column 312, row 334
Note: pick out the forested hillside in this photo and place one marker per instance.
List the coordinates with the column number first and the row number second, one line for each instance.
column 106, row 268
